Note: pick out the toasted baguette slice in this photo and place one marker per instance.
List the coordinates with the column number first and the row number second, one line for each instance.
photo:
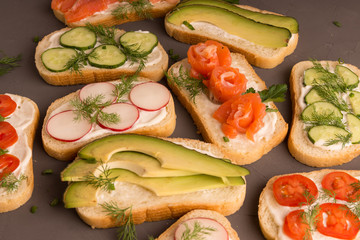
column 106, row 18
column 299, row 144
column 26, row 128
column 89, row 74
column 267, row 220
column 256, row 55
column 66, row 151
column 146, row 206
column 170, row 232
column 242, row 151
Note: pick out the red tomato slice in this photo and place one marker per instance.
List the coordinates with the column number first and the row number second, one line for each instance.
column 338, row 221
column 295, row 227
column 7, row 105
column 204, row 57
column 8, row 164
column 226, row 82
column 342, row 184
column 291, row 190
column 8, row 135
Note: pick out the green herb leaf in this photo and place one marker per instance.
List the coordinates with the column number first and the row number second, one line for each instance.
column 124, row 87
column 226, row 139
column 336, row 23
column 103, row 181
column 54, row 202
column 3, row 151
column 11, row 183
column 339, row 139
column 271, row 109
column 8, row 63
column 77, row 62
column 188, row 25
column 197, row 233
column 106, row 35
column 33, row 209
column 141, row 8
column 47, row 172
column 36, row 39
column 276, row 93
column 317, row 119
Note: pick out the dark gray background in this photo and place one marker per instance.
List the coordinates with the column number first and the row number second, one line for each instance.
column 22, row 20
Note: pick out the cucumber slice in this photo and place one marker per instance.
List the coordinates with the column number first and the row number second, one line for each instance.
column 107, row 56
column 80, row 38
column 354, row 127
column 320, row 108
column 55, row 59
column 326, row 133
column 312, row 96
column 354, row 99
column 138, row 43
column 350, row 78
column 311, row 74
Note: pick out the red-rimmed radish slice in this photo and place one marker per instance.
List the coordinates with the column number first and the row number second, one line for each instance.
column 149, row 96
column 95, row 89
column 127, row 113
column 214, row 230
column 7, row 105
column 64, row 126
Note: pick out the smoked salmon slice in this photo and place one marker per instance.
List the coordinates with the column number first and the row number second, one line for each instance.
column 62, row 5
column 85, row 8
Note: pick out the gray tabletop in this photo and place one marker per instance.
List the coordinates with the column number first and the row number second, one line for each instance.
column 22, row 20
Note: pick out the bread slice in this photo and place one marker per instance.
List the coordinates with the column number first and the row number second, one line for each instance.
column 256, row 55
column 170, row 232
column 270, row 227
column 105, row 18
column 88, row 74
column 241, row 151
column 66, row 151
column 26, row 128
column 300, row 147
column 146, row 206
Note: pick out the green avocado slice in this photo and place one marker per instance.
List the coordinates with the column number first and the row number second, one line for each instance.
column 170, row 155
column 235, row 24
column 276, row 20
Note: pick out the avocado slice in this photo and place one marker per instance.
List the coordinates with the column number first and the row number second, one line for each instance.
column 139, row 163
column 80, row 194
column 233, row 23
column 170, row 155
column 266, row 18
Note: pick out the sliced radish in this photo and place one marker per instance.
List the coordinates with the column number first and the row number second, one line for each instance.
column 94, row 89
column 128, row 114
column 149, row 96
column 218, row 231
column 63, row 126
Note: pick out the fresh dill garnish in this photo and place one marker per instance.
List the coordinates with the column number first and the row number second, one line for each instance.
column 226, row 139
column 33, row 209
column 326, row 77
column 140, row 7
column 339, row 139
column 3, row 151
column 173, row 56
column 8, row 63
column 91, row 107
column 133, row 57
column 336, row 23
column 276, row 93
column 103, row 181
column 47, row 172
column 123, row 87
column 54, row 202
column 197, row 232
column 36, row 39
column 188, row 25
column 193, row 85
column 77, row 62
column 2, row 118
column 123, row 217
column 268, row 109
column 11, row 183
column 106, row 35
column 310, row 214
column 317, row 119
column 326, row 92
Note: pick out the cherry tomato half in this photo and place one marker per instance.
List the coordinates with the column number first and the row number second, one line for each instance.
column 338, row 221
column 294, row 190
column 8, row 164
column 296, row 227
column 7, row 105
column 8, row 135
column 342, row 185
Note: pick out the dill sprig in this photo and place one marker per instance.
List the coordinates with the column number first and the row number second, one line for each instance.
column 327, row 93
column 77, row 62
column 339, row 139
column 8, row 63
column 310, row 214
column 11, row 182
column 317, row 119
column 123, row 217
column 140, row 7
column 106, row 35
column 3, row 151
column 197, row 233
column 124, row 87
column 193, row 85
column 103, row 181
column 90, row 109
column 328, row 78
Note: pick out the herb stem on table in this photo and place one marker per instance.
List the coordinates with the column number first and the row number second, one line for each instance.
column 8, row 63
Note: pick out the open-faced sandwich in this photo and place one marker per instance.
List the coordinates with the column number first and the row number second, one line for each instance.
column 19, row 117
column 263, row 37
column 96, row 54
column 128, row 179
column 228, row 102
column 326, row 126
column 134, row 105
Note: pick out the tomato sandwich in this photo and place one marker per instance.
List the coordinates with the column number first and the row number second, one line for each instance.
column 19, row 117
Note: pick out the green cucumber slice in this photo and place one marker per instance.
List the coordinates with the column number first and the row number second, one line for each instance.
column 350, row 78
column 56, row 59
column 312, row 74
column 138, row 43
column 326, row 133
column 354, row 99
column 312, row 96
column 354, row 127
column 80, row 38
column 320, row 108
column 107, row 56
